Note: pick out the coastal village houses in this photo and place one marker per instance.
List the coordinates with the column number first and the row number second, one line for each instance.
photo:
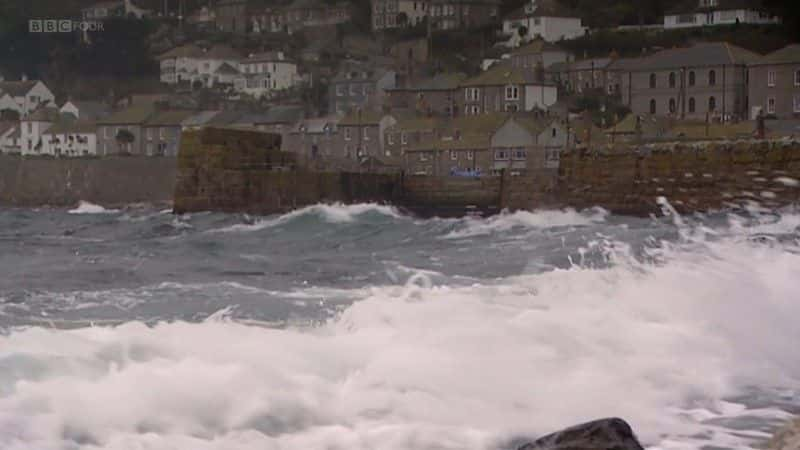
column 547, row 19
column 584, row 75
column 539, row 54
column 361, row 134
column 707, row 80
column 442, row 14
column 774, row 84
column 10, row 138
column 359, row 86
column 487, row 145
column 313, row 139
column 297, row 16
column 24, row 96
column 503, row 88
column 432, row 96
column 70, row 139
column 33, row 126
column 718, row 12
column 263, row 73
column 122, row 132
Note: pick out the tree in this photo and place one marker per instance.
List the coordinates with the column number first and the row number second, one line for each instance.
column 124, row 139
column 523, row 31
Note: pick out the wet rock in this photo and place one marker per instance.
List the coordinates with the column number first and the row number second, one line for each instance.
column 604, row 434
column 787, row 438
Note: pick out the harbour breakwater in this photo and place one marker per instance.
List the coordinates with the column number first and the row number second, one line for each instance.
column 242, row 171
column 110, row 181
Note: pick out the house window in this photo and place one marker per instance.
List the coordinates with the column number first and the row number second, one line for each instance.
column 390, row 138
column 771, row 75
column 365, row 133
column 712, row 103
column 692, row 78
column 797, row 78
column 473, row 110
column 149, row 133
column 652, row 81
column 470, row 155
column 353, row 89
column 520, row 155
column 511, row 107
column 796, row 102
column 340, row 91
column 672, row 79
column 553, row 132
column 672, row 106
column 771, row 105
column 423, row 156
column 347, row 134
column 692, row 105
column 472, row 94
column 512, row 92
column 501, row 155
column 453, row 155
column 712, row 77
column 403, row 138
column 652, row 106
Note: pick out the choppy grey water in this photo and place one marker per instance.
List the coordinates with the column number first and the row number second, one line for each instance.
column 357, row 327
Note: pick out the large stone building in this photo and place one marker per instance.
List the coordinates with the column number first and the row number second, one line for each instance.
column 774, row 84
column 296, row 16
column 718, row 12
column 123, row 131
column 704, row 80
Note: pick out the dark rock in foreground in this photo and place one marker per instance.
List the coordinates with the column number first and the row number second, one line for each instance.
column 604, row 434
column 787, row 438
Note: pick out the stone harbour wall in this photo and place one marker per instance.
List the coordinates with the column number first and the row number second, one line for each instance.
column 112, row 181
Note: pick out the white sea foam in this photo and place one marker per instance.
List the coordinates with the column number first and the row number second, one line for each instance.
column 91, row 208
column 426, row 367
column 536, row 220
column 333, row 213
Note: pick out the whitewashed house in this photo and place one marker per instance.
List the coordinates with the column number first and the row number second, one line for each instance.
column 27, row 96
column 33, row 127
column 546, row 19
column 9, row 137
column 180, row 64
column 719, row 12
column 217, row 66
column 67, row 139
column 264, row 73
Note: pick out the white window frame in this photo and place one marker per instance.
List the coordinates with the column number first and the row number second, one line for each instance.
column 470, row 155
column 390, row 138
column 771, row 76
column 501, row 155
column 423, row 156
column 347, row 135
column 519, row 154
column 797, row 77
column 365, row 133
column 796, row 103
column 453, row 155
column 512, row 92
column 771, row 105
column 403, row 137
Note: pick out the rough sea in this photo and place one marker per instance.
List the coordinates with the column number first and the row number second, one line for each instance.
column 357, row 327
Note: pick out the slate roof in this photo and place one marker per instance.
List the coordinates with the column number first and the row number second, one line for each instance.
column 6, row 126
column 316, row 126
column 222, row 52
column 135, row 114
column 199, row 119
column 67, row 127
column 184, row 51
column 224, row 118
column 265, row 57
column 172, row 118
column 787, row 55
column 90, row 109
column 502, row 74
column 536, row 47
column 226, row 69
column 44, row 114
column 365, row 118
column 698, row 55
column 17, row 88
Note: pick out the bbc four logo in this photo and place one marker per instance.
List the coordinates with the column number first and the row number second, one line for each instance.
column 62, row 26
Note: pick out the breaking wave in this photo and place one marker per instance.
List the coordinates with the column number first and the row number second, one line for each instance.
column 90, row 208
column 675, row 345
column 333, row 213
column 541, row 219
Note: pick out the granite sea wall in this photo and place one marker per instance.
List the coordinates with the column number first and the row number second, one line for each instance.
column 112, row 181
column 231, row 170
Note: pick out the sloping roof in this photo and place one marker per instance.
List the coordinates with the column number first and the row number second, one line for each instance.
column 536, row 47
column 199, row 119
column 316, row 126
column 787, row 55
column 17, row 88
column 65, row 127
column 502, row 74
column 184, row 51
column 90, row 109
column 226, row 69
column 441, row 82
column 222, row 52
column 417, row 124
column 698, row 55
column 364, row 118
column 266, row 57
column 168, row 118
column 6, row 126
column 44, row 114
column 651, row 125
column 135, row 114
column 224, row 118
